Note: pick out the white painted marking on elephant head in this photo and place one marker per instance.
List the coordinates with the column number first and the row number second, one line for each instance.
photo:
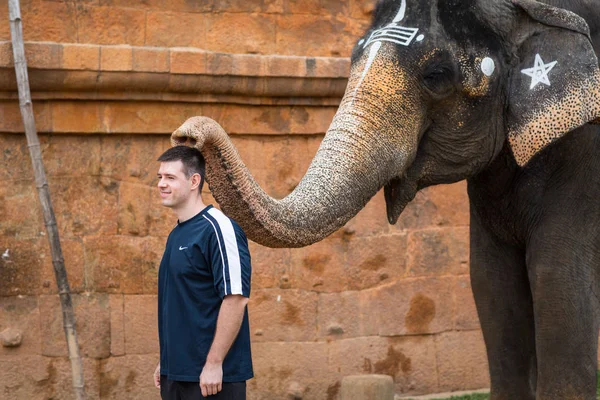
column 539, row 72
column 372, row 54
column 395, row 33
column 488, row 66
column 400, row 16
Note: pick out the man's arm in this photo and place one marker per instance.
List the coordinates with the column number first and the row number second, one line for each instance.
column 231, row 315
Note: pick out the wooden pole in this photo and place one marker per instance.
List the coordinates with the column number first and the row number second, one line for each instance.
column 41, row 184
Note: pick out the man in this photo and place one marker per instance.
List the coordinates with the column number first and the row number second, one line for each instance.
column 203, row 290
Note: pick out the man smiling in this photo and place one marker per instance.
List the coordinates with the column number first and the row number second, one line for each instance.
column 203, row 290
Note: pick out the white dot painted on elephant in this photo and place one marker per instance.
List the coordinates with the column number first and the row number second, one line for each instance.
column 361, row 41
column 420, row 37
column 539, row 72
column 488, row 66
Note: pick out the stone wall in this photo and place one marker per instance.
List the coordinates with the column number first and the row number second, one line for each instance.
column 110, row 80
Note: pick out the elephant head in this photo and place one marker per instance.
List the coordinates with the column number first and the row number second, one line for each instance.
column 437, row 89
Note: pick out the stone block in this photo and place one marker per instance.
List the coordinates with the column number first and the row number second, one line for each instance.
column 21, row 264
column 168, row 5
column 418, row 306
column 370, row 221
column 286, row 66
column 285, row 161
column 116, row 58
column 43, row 55
column 240, row 33
column 154, row 249
column 441, row 205
column 186, row 61
column 285, row 369
column 466, row 313
column 132, row 157
column 442, row 251
column 128, row 377
column 320, row 7
column 150, row 60
column 243, row 64
column 320, row 267
column 340, row 31
column 346, row 314
column 161, row 220
column 59, row 382
column 374, row 261
column 147, row 117
column 116, row 264
column 24, row 377
column 367, row 387
column 72, row 249
column 72, row 156
column 328, row 67
column 14, row 198
column 6, row 54
column 11, row 121
column 141, row 324
column 461, row 361
column 92, row 321
column 85, row 206
column 4, row 28
column 270, row 267
column 410, row 361
column 21, row 313
column 311, row 120
column 169, row 29
column 242, row 6
column 46, row 21
column 134, row 205
column 117, row 324
column 219, row 63
column 283, row 315
column 81, row 57
column 111, row 25
column 77, row 117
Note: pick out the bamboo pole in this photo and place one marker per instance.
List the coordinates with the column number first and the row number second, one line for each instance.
column 41, row 183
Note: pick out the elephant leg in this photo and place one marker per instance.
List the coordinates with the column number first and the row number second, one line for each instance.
column 504, row 305
column 563, row 269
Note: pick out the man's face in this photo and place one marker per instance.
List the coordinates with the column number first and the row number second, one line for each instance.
column 174, row 187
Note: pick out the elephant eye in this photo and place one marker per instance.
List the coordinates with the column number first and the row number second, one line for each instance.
column 440, row 77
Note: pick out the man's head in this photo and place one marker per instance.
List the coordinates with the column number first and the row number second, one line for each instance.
column 180, row 176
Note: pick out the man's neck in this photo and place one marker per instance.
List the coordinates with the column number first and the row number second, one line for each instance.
column 190, row 210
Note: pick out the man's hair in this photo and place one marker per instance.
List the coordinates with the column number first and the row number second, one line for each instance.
column 192, row 159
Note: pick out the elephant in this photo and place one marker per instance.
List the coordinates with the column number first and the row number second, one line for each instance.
column 504, row 94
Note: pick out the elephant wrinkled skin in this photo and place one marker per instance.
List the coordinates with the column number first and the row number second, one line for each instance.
column 501, row 93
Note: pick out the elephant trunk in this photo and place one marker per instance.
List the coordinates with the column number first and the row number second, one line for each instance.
column 360, row 153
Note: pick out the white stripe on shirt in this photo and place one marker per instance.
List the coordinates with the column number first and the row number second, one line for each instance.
column 232, row 251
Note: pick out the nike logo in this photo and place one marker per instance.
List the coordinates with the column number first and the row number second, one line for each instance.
column 182, row 248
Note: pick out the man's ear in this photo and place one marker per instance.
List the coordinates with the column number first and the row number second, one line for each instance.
column 555, row 85
column 196, row 180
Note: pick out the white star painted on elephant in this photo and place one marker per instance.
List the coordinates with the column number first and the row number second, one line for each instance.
column 539, row 72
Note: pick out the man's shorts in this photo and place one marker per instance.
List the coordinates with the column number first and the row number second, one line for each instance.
column 177, row 390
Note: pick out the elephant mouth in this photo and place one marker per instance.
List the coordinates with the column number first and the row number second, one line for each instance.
column 398, row 192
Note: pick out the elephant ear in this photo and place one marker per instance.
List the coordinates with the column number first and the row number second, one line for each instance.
column 555, row 86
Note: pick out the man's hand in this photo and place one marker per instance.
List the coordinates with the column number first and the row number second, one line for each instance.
column 157, row 376
column 211, row 379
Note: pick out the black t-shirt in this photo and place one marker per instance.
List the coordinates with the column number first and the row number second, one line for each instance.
column 205, row 259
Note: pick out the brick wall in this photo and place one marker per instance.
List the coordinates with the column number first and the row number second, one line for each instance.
column 110, row 80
